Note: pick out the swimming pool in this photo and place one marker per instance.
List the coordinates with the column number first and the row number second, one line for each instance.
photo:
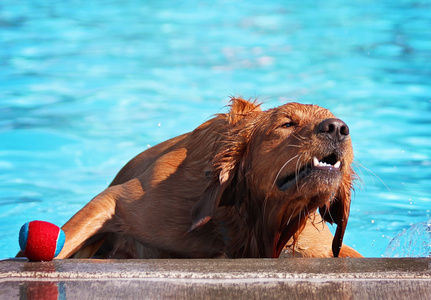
column 86, row 85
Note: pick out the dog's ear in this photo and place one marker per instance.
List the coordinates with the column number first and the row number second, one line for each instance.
column 338, row 212
column 226, row 163
column 226, row 168
column 205, row 207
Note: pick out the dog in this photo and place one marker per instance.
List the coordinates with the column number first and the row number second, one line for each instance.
column 245, row 184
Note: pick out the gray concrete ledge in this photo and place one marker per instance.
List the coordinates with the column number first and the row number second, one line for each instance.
column 293, row 278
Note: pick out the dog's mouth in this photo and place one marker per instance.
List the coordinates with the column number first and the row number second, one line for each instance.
column 327, row 166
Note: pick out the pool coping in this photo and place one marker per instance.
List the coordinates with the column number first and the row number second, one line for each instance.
column 294, row 278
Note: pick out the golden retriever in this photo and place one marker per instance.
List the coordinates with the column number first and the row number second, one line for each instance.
column 244, row 184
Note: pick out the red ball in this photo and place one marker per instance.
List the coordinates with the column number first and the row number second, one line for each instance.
column 40, row 240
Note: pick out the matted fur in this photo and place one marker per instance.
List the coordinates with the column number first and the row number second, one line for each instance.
column 215, row 192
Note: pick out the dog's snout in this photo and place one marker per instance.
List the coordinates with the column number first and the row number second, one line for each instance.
column 335, row 129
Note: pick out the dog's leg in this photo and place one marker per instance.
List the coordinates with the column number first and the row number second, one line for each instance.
column 97, row 215
column 90, row 248
column 316, row 241
column 88, row 221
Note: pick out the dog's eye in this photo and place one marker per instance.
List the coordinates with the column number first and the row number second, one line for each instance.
column 288, row 124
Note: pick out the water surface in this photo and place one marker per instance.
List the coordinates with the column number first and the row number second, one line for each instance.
column 86, row 85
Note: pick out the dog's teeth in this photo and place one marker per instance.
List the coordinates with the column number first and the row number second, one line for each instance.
column 318, row 163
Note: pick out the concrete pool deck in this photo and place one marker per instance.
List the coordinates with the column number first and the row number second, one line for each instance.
column 293, row 278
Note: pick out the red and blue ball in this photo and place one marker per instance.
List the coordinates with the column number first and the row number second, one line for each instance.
column 40, row 240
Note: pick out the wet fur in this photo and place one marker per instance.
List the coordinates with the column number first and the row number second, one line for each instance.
column 213, row 193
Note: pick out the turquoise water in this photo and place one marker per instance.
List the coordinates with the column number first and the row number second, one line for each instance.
column 86, row 85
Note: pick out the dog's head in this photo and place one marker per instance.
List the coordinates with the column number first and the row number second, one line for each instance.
column 285, row 163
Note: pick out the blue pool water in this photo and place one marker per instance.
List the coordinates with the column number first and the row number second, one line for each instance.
column 86, row 85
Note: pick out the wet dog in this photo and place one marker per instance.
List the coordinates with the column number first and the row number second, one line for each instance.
column 246, row 183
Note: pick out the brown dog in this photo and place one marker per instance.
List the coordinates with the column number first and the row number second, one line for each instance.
column 240, row 185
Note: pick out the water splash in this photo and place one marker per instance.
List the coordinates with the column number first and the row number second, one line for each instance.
column 412, row 242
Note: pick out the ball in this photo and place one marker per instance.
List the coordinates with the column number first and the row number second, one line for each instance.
column 40, row 240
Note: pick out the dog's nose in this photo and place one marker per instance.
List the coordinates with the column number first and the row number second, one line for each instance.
column 336, row 129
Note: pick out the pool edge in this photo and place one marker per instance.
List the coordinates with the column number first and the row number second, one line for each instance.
column 297, row 278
